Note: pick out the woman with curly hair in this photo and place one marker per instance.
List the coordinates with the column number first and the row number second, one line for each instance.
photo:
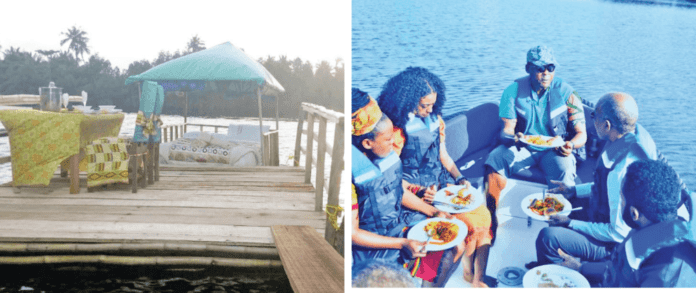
column 413, row 99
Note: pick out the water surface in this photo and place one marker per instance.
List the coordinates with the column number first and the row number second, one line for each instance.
column 478, row 48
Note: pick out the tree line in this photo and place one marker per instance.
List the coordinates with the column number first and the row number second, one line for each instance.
column 23, row 72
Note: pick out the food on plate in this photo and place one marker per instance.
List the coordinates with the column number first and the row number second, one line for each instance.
column 548, row 206
column 537, row 140
column 445, row 232
column 448, row 193
column 547, row 282
column 462, row 199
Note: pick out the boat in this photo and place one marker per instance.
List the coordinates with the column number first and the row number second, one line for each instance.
column 471, row 136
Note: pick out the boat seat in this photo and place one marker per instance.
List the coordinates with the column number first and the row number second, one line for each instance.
column 469, row 149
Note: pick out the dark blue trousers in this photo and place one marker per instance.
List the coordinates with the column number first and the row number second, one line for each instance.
column 573, row 243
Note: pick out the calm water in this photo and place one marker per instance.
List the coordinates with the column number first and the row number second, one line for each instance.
column 478, row 48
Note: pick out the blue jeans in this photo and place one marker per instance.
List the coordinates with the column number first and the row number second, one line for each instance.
column 507, row 161
column 572, row 242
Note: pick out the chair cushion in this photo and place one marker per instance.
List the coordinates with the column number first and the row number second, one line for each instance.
column 107, row 161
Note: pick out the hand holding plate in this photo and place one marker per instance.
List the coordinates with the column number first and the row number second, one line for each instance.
column 414, row 248
column 566, row 149
column 429, row 194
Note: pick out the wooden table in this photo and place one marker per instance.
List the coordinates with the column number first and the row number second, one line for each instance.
column 41, row 140
column 311, row 264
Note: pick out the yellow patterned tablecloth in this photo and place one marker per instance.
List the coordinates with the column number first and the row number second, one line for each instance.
column 41, row 140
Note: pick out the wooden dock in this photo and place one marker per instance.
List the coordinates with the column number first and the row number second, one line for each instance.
column 214, row 207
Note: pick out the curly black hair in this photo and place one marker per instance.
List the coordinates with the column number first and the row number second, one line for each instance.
column 401, row 94
column 653, row 188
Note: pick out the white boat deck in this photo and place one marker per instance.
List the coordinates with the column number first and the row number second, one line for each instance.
column 514, row 246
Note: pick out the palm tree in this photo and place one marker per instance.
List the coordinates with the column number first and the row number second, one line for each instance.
column 195, row 45
column 78, row 41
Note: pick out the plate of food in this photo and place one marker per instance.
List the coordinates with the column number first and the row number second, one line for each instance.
column 543, row 141
column 458, row 199
column 110, row 111
column 538, row 205
column 446, row 233
column 554, row 276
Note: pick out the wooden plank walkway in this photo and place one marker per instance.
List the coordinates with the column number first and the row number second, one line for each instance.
column 210, row 206
column 311, row 264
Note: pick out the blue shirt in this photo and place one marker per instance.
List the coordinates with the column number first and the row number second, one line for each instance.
column 537, row 105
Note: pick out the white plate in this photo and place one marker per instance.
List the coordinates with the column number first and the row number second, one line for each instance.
column 476, row 200
column 554, row 144
column 559, row 275
column 529, row 198
column 418, row 233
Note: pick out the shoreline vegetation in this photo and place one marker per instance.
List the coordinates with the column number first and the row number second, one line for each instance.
column 23, row 72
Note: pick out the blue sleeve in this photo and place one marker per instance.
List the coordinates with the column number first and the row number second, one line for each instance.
column 507, row 102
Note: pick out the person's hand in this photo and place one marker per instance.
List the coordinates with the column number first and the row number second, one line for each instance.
column 464, row 182
column 561, row 188
column 414, row 248
column 441, row 214
column 518, row 140
column 566, row 149
column 569, row 261
column 429, row 194
column 518, row 136
column 559, row 221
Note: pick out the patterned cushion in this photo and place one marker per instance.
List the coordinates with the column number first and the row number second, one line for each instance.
column 107, row 162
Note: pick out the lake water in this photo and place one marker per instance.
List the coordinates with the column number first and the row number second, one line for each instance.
column 646, row 49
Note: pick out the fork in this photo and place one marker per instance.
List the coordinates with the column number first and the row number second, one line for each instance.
column 430, row 234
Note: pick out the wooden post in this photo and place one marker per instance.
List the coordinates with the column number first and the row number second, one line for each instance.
column 321, row 156
column 186, row 108
column 310, row 146
column 150, row 163
column 156, row 155
column 75, row 174
column 298, row 140
column 216, row 129
column 202, row 129
column 277, row 120
column 275, row 149
column 258, row 96
column 164, row 134
column 335, row 179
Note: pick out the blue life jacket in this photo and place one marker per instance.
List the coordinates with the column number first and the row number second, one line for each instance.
column 557, row 110
column 421, row 153
column 641, row 145
column 676, row 270
column 379, row 188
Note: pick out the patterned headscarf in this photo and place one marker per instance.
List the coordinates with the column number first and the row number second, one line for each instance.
column 366, row 113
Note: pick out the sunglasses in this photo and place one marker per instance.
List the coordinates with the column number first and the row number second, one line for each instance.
column 549, row 67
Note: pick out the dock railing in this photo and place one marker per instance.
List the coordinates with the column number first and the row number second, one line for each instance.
column 271, row 155
column 314, row 113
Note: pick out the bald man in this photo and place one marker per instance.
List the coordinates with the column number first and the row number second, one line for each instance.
column 615, row 119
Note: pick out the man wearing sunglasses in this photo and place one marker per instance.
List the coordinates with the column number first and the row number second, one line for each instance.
column 537, row 104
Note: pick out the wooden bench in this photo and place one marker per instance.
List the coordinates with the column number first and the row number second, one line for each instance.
column 311, row 264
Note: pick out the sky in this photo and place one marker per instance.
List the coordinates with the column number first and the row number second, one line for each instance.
column 126, row 31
